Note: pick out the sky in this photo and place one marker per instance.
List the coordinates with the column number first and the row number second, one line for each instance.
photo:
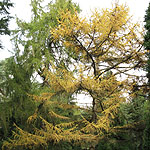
column 137, row 7
column 23, row 11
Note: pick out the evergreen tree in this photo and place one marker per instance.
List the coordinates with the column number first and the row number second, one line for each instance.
column 147, row 41
column 5, row 5
column 36, row 39
column 146, row 144
column 17, row 80
column 146, row 135
column 15, row 105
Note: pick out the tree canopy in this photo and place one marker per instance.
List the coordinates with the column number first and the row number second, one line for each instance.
column 74, row 54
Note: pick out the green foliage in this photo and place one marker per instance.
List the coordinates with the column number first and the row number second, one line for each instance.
column 146, row 135
column 132, row 111
column 5, row 5
column 39, row 47
column 113, row 144
column 147, row 41
column 15, row 105
column 17, row 73
column 147, row 27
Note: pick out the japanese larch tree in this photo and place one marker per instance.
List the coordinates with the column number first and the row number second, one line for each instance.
column 99, row 49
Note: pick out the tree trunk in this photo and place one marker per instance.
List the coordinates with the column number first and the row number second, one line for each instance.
column 94, row 116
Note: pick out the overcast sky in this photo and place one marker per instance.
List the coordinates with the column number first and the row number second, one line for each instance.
column 137, row 7
column 22, row 10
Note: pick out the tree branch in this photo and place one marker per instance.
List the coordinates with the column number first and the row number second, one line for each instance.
column 112, row 67
column 83, row 48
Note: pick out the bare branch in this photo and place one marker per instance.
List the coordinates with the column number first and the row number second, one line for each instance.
column 112, row 67
column 83, row 48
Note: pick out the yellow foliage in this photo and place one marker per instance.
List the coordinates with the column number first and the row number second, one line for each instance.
column 107, row 37
column 66, row 125
column 53, row 114
column 32, row 118
column 61, row 80
column 25, row 139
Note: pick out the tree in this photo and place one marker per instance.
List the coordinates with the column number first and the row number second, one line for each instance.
column 5, row 17
column 15, row 105
column 146, row 41
column 146, row 137
column 99, row 49
column 18, row 72
column 35, row 36
column 102, row 45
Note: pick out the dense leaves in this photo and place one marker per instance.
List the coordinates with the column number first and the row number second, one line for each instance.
column 146, row 40
column 146, row 137
column 74, row 55
column 35, row 36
